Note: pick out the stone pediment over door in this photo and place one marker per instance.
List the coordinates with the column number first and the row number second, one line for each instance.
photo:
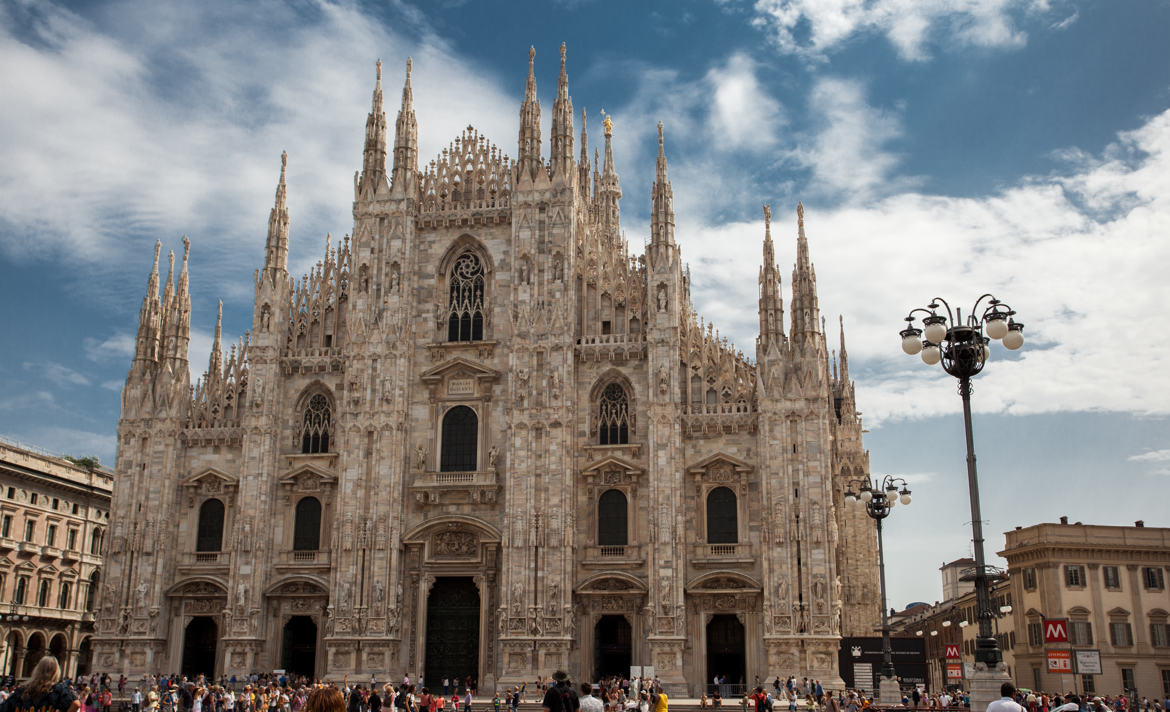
column 721, row 467
column 612, row 470
column 211, row 483
column 460, row 379
column 307, row 478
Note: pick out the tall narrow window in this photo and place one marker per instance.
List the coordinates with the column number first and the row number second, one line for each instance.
column 460, row 440
column 465, row 300
column 43, row 594
column 63, row 596
column 722, row 517
column 210, row 533
column 612, row 519
column 614, row 416
column 92, row 590
column 95, row 542
column 316, row 425
column 307, row 529
column 21, row 589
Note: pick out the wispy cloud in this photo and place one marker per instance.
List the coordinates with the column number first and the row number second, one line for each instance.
column 815, row 28
column 1067, row 22
column 1152, row 456
column 119, row 346
column 57, row 374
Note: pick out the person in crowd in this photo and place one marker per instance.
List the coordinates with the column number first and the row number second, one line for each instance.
column 43, row 691
column 588, row 702
column 1007, row 701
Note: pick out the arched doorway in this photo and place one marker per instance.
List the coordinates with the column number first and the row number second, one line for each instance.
column 59, row 648
column 725, row 648
column 612, row 647
column 12, row 650
column 452, row 629
column 34, row 653
column 299, row 646
column 199, row 641
column 84, row 657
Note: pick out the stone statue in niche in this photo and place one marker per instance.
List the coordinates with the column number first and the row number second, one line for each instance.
column 395, row 277
column 420, row 457
column 558, row 267
column 493, row 457
column 662, row 297
column 663, row 380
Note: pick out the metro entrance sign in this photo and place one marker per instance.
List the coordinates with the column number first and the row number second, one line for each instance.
column 952, row 652
column 1055, row 630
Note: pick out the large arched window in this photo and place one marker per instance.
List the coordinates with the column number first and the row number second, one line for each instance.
column 316, row 425
column 460, row 440
column 613, row 416
column 612, row 520
column 307, row 527
column 209, row 535
column 95, row 542
column 465, row 299
column 722, row 517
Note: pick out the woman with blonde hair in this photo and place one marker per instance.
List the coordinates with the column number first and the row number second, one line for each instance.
column 43, row 691
column 323, row 699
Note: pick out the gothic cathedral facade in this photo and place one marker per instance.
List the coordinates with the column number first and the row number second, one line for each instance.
column 480, row 439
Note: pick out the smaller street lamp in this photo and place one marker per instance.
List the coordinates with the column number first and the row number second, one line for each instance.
column 879, row 499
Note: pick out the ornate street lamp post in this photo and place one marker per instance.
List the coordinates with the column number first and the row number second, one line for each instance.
column 879, row 500
column 963, row 350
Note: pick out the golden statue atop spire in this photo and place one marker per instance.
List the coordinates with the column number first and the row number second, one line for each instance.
column 608, row 122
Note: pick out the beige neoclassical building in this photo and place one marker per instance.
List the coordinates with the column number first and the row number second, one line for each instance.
column 53, row 517
column 482, row 439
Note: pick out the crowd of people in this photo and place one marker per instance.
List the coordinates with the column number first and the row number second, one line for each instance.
column 45, row 691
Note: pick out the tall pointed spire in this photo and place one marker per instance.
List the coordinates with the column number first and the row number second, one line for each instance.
column 661, row 201
column 771, row 300
column 405, row 142
column 844, row 357
column 528, row 156
column 561, row 155
column 805, row 312
column 583, row 162
column 215, row 364
column 276, row 248
column 146, row 347
column 374, row 154
column 608, row 188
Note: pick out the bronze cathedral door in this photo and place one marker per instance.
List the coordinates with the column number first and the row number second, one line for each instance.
column 452, row 631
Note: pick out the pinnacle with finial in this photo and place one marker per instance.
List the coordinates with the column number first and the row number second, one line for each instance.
column 378, row 70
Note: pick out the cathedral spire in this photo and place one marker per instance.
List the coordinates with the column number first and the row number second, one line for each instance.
column 805, row 312
column 771, row 300
column 609, row 190
column 374, row 154
column 661, row 201
column 843, row 359
column 146, row 348
column 276, row 248
column 405, row 142
column 528, row 157
column 561, row 158
column 215, row 364
column 583, row 162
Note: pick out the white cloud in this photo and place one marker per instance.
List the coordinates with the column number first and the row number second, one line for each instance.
column 118, row 346
column 55, row 373
column 1151, row 456
column 814, row 28
column 848, row 156
column 742, row 114
column 147, row 159
column 1076, row 254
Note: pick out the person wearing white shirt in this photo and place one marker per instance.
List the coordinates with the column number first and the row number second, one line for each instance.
column 589, row 703
column 1007, row 703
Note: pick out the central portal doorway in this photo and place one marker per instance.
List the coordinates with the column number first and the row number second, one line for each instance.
column 299, row 646
column 725, row 649
column 199, row 641
column 452, row 631
column 612, row 647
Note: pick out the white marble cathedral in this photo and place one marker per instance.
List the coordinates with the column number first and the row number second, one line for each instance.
column 482, row 439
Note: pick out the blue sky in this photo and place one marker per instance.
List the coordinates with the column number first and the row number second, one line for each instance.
column 1020, row 147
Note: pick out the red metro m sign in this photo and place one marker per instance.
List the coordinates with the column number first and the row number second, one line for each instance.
column 1055, row 630
column 952, row 652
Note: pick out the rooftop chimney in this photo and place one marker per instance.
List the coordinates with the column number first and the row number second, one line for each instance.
column 1064, row 520
column 1139, row 524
